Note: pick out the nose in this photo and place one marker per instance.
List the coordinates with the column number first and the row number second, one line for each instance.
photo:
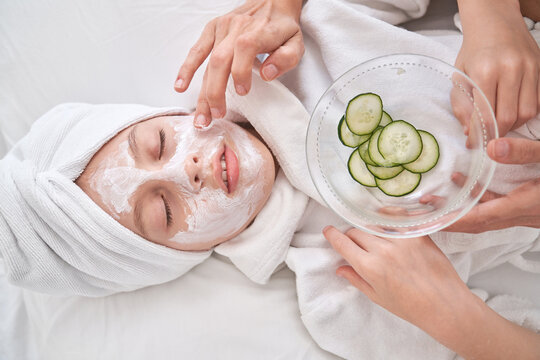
column 193, row 170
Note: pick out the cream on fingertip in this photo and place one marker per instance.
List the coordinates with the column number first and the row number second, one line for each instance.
column 178, row 84
column 200, row 121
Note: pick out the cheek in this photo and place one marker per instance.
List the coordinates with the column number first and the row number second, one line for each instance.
column 267, row 173
column 213, row 215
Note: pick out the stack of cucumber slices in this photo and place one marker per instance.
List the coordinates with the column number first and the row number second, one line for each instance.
column 390, row 155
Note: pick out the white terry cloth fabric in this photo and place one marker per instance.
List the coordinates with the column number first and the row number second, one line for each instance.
column 281, row 120
column 392, row 11
column 262, row 247
column 53, row 237
column 340, row 318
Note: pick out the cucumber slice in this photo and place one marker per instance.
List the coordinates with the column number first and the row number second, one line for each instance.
column 428, row 157
column 402, row 184
column 384, row 173
column 359, row 171
column 399, row 142
column 364, row 113
column 373, row 150
column 348, row 138
column 363, row 150
column 385, row 119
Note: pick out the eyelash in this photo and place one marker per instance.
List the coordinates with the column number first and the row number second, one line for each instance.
column 167, row 211
column 162, row 142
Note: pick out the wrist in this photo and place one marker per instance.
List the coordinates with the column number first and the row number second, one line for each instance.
column 465, row 5
column 291, row 8
column 449, row 321
column 477, row 14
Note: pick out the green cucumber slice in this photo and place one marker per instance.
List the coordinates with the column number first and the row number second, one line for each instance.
column 364, row 113
column 373, row 150
column 359, row 171
column 363, row 150
column 428, row 157
column 402, row 184
column 384, row 173
column 399, row 142
column 347, row 137
column 385, row 119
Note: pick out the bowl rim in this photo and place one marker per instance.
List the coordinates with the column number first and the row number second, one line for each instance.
column 491, row 165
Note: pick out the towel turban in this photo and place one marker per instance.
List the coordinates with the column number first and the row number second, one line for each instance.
column 53, row 237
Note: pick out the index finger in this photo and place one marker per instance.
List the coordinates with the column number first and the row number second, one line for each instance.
column 196, row 56
column 202, row 117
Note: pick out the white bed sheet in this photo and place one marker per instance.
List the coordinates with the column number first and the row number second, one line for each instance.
column 129, row 51
column 212, row 312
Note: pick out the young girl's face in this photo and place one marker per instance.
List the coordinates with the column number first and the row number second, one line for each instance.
column 178, row 186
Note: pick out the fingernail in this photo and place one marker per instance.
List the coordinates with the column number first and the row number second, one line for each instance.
column 200, row 120
column 216, row 114
column 501, row 148
column 240, row 90
column 465, row 129
column 178, row 84
column 270, row 71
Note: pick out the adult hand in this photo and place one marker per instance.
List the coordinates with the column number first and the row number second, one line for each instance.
column 520, row 207
column 411, row 278
column 502, row 57
column 234, row 40
column 414, row 280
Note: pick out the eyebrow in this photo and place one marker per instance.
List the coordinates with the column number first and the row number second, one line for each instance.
column 139, row 223
column 132, row 142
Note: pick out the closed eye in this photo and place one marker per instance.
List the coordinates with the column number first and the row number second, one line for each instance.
column 162, row 139
column 167, row 211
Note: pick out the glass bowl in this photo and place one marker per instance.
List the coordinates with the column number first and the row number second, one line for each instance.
column 431, row 95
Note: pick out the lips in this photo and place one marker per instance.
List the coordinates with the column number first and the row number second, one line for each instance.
column 226, row 170
column 232, row 168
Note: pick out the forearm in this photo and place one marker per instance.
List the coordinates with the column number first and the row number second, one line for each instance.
column 476, row 13
column 528, row 8
column 475, row 331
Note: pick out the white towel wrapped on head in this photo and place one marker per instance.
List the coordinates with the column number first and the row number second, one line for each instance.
column 53, row 237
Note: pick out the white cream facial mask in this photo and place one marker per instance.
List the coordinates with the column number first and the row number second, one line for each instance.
column 211, row 213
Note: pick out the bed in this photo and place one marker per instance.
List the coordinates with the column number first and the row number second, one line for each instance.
column 122, row 51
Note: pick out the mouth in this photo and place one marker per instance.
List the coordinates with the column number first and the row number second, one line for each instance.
column 224, row 172
column 228, row 171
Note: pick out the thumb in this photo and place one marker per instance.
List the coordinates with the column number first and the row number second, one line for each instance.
column 285, row 58
column 514, row 151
